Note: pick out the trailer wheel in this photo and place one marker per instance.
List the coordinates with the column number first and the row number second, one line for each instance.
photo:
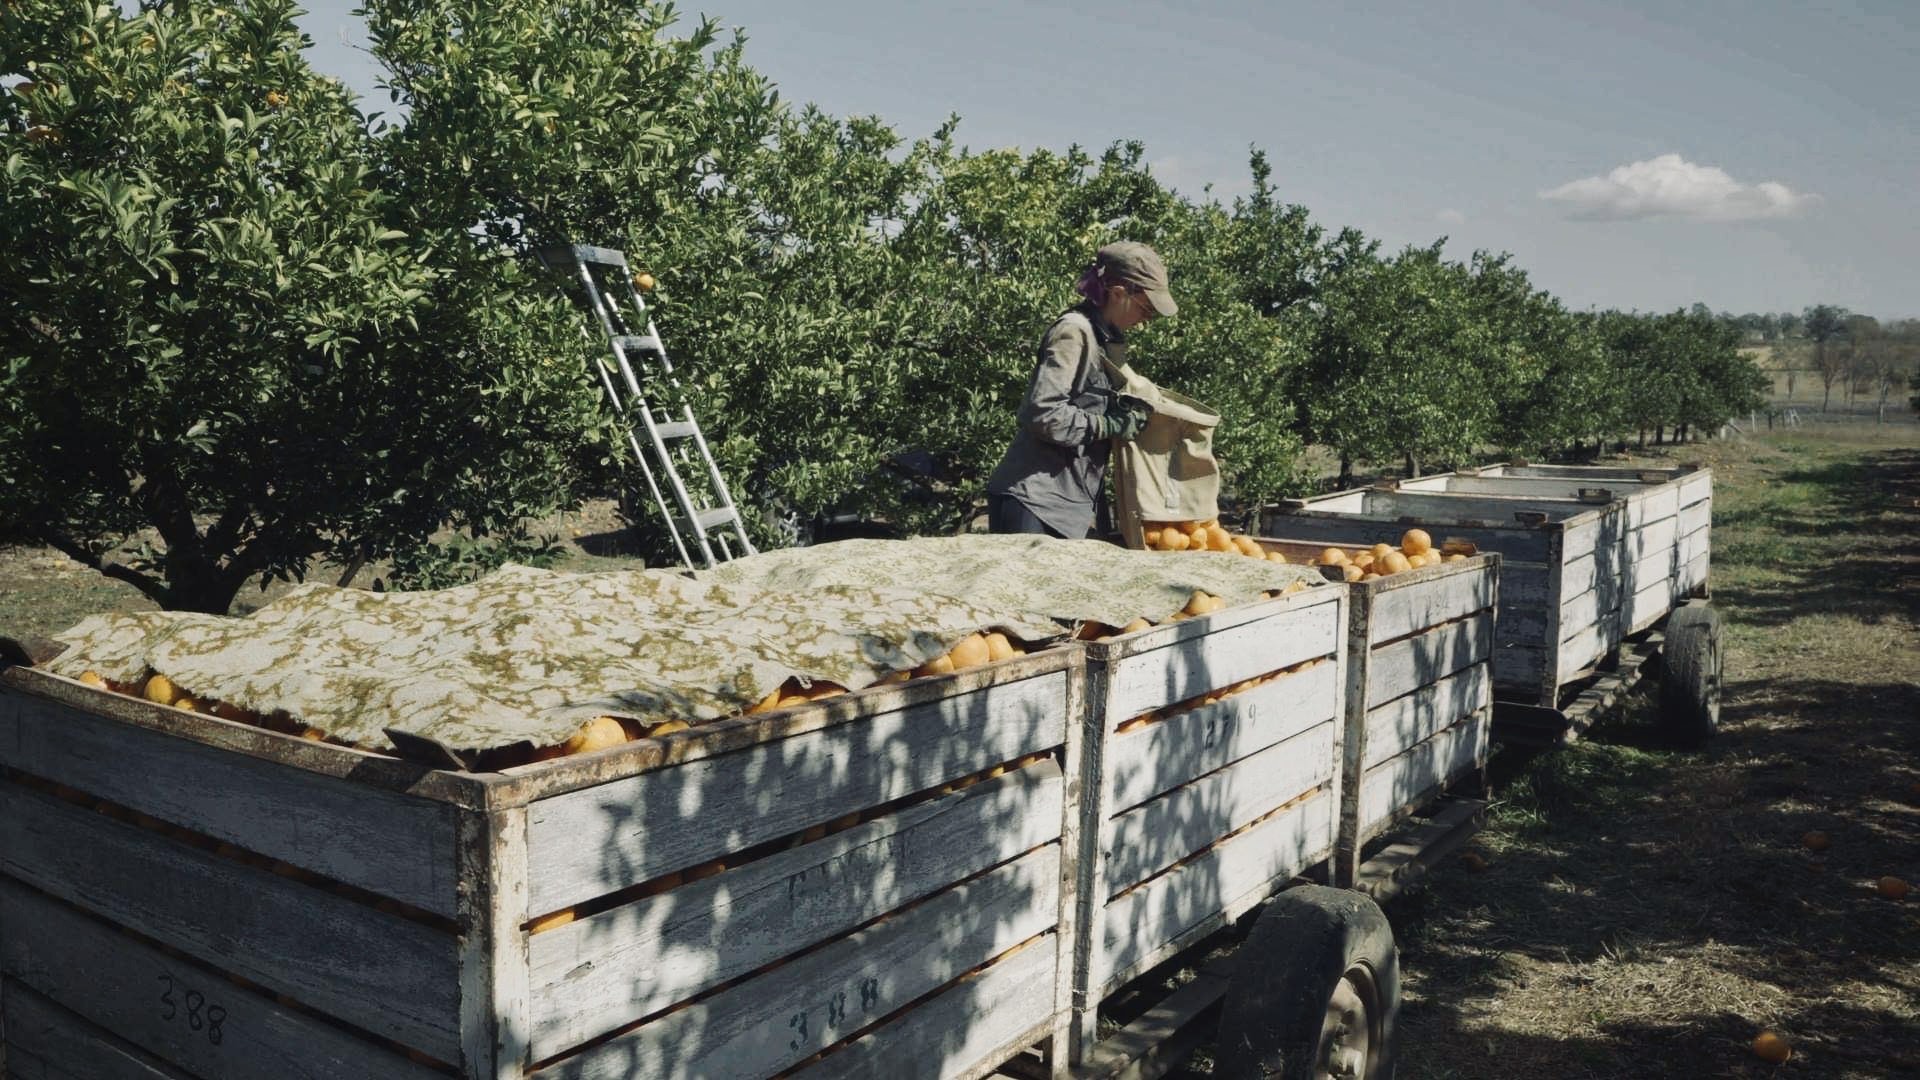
column 1690, row 674
column 1316, row 992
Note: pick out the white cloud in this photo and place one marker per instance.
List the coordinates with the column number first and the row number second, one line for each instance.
column 1670, row 185
column 1450, row 216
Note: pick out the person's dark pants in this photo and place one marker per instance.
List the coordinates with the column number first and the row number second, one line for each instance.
column 1006, row 514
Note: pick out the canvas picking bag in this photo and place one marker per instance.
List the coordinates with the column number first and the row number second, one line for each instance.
column 1167, row 473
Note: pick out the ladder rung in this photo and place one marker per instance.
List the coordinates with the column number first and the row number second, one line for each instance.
column 722, row 515
column 679, row 429
column 639, row 343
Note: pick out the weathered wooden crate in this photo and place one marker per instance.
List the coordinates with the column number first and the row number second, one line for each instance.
column 884, row 877
column 1560, row 574
column 1669, row 512
column 1419, row 692
column 1193, row 817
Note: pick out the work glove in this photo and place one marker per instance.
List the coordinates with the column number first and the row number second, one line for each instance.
column 1124, row 419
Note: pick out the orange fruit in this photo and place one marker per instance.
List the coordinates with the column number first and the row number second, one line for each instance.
column 1092, row 631
column 313, row 734
column 1195, row 530
column 1416, row 561
column 187, row 703
column 644, row 281
column 1381, row 551
column 1815, row 841
column 1332, row 557
column 93, row 679
column 1891, row 887
column 970, row 651
column 1456, row 557
column 1275, row 556
column 1352, row 572
column 1218, row 540
column 667, row 727
column 276, row 99
column 1136, row 626
column 160, row 690
column 1770, row 1047
column 1175, row 541
column 768, row 703
column 1246, row 546
column 939, row 665
column 824, row 689
column 1293, row 587
column 598, row 733
column 1364, row 560
column 1416, row 542
column 1000, row 647
column 1394, row 563
column 1369, row 577
column 1150, row 538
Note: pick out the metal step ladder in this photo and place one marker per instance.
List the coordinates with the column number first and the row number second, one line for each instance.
column 666, row 440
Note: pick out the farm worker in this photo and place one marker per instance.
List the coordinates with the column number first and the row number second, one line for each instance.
column 1050, row 479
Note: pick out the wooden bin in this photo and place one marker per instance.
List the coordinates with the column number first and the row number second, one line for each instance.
column 1669, row 512
column 1194, row 818
column 1560, row 578
column 876, row 892
column 1419, row 692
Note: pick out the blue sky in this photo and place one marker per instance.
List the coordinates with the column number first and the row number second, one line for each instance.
column 1753, row 156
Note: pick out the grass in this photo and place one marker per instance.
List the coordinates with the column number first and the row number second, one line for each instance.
column 1646, row 910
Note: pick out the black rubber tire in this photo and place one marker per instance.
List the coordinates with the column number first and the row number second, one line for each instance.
column 1307, row 941
column 1690, row 674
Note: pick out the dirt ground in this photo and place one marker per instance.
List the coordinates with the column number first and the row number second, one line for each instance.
column 1644, row 910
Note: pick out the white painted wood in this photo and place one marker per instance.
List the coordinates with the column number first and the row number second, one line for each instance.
column 1167, row 753
column 771, row 1021
column 1588, row 645
column 1518, row 671
column 494, row 988
column 1581, row 540
column 1654, row 538
column 1576, row 577
column 165, row 1005
column 1135, row 925
column 1444, row 508
column 1341, row 502
column 1402, row 609
column 1525, row 584
column 1651, row 504
column 1696, row 573
column 1516, row 487
column 968, row 1027
column 1692, row 546
column 1151, row 680
column 1650, row 605
column 1407, row 665
column 46, row 1042
column 1145, row 840
column 1696, row 487
column 383, row 973
column 1695, row 518
column 1414, row 718
column 1419, row 773
column 598, row 840
column 382, row 841
column 594, row 975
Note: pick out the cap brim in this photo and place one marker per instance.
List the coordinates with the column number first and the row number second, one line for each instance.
column 1162, row 302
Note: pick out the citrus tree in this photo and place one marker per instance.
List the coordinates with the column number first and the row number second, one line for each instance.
column 220, row 343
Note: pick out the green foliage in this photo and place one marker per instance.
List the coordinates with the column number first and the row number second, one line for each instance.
column 244, row 318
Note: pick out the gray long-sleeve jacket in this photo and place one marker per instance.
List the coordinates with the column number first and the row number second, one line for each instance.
column 1057, row 463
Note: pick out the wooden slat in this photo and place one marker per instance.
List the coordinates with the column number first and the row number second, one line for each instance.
column 1587, row 646
column 964, row 1030
column 46, row 1042
column 1648, row 505
column 1696, row 572
column 1696, row 517
column 594, row 975
column 1696, row 487
column 1513, row 541
column 1135, row 926
column 1400, row 609
column 598, row 840
column 1525, row 584
column 382, row 841
column 1517, row 672
column 1165, row 754
column 1692, row 546
column 1442, row 508
column 1415, row 853
column 166, row 1006
column 1513, row 487
column 1407, row 665
column 380, row 972
column 1416, row 717
column 773, row 1020
column 1419, row 773
column 1149, row 838
column 1654, row 538
column 1649, row 605
column 1151, row 680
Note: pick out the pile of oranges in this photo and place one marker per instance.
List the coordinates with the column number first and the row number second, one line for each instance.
column 1206, row 535
column 1416, row 550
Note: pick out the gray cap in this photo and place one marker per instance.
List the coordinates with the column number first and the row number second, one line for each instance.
column 1137, row 264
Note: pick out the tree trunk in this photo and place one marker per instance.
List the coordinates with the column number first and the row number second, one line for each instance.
column 1346, row 469
column 1413, row 467
column 1643, row 438
column 1827, row 398
column 1660, row 435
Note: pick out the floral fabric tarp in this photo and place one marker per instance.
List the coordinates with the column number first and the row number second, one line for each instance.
column 531, row 654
